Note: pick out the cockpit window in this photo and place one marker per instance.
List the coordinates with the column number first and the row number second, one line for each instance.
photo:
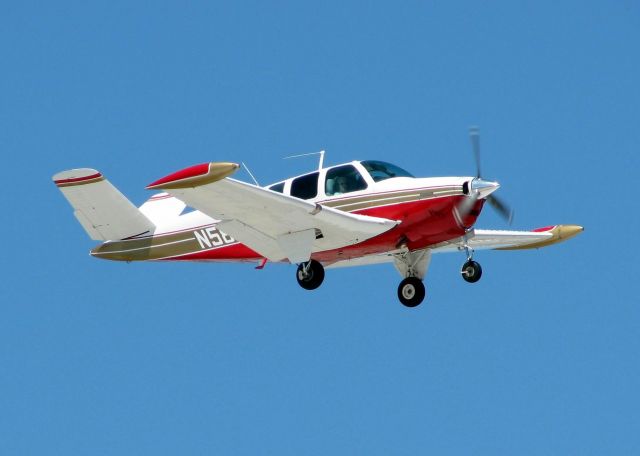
column 277, row 187
column 343, row 179
column 305, row 187
column 381, row 170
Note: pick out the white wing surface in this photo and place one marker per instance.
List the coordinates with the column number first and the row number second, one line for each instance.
column 482, row 240
column 511, row 240
column 276, row 226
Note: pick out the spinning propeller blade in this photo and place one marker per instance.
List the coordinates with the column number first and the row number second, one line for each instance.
column 465, row 206
column 474, row 135
column 478, row 185
column 501, row 208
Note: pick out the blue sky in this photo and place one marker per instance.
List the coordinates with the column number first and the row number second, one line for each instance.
column 539, row 357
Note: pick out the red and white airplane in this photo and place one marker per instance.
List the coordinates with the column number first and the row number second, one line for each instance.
column 353, row 214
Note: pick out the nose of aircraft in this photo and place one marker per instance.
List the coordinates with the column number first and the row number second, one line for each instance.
column 483, row 187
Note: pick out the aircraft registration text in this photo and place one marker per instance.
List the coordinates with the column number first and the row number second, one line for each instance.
column 212, row 237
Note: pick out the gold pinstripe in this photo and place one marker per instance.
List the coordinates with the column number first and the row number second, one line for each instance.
column 185, row 242
column 151, row 248
column 383, row 199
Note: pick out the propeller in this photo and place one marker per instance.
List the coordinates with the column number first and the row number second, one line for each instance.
column 501, row 208
column 479, row 187
column 474, row 136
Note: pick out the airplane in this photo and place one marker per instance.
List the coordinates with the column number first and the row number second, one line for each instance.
column 352, row 214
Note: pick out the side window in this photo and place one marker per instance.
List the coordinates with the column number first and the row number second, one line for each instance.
column 305, row 187
column 277, row 187
column 343, row 179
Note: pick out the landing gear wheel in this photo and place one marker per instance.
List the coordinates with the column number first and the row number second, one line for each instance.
column 411, row 291
column 471, row 271
column 310, row 275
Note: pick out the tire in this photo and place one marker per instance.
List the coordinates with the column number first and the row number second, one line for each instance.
column 314, row 277
column 411, row 291
column 471, row 271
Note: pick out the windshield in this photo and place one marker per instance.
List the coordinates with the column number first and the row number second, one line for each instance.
column 381, row 170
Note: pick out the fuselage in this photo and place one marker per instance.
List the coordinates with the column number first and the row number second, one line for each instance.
column 425, row 208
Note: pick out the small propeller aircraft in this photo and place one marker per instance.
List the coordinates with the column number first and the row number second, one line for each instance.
column 352, row 214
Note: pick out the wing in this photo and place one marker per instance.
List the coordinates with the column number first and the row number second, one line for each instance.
column 512, row 240
column 482, row 240
column 276, row 226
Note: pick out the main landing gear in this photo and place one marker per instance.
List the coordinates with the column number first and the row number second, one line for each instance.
column 411, row 291
column 413, row 267
column 310, row 274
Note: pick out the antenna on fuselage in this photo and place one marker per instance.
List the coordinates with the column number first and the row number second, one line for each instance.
column 320, row 163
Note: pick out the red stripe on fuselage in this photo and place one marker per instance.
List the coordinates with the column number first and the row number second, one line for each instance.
column 423, row 223
column 233, row 252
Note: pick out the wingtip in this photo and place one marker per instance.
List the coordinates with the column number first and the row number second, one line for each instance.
column 559, row 233
column 78, row 176
column 569, row 231
column 196, row 175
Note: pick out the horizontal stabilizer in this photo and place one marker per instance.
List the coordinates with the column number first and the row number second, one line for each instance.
column 104, row 212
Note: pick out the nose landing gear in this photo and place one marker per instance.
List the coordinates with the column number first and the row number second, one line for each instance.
column 471, row 270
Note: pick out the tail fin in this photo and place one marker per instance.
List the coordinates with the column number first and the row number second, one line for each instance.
column 104, row 212
column 162, row 208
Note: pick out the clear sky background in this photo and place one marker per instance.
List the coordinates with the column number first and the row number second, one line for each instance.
column 539, row 357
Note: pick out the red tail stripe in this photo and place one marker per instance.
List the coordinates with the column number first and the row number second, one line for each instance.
column 78, row 179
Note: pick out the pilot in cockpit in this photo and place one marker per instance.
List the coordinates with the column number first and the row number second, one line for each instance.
column 341, row 185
